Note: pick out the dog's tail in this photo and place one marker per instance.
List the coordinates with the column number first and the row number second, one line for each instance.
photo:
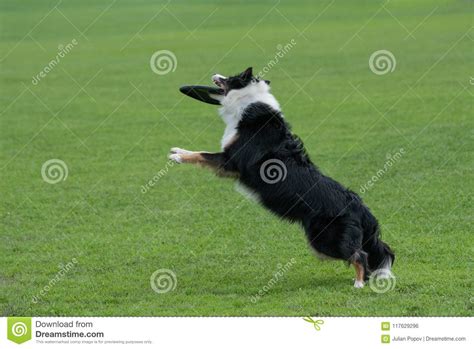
column 380, row 255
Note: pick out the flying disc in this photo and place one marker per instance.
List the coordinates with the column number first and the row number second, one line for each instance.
column 202, row 93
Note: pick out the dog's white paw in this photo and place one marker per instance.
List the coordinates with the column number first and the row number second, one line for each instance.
column 179, row 151
column 358, row 284
column 176, row 158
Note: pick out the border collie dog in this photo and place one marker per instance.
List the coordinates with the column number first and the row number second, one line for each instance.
column 269, row 161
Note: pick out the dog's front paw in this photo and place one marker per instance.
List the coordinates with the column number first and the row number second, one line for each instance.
column 358, row 284
column 179, row 151
column 175, row 154
column 176, row 158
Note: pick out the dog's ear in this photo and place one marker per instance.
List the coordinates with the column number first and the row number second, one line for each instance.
column 247, row 74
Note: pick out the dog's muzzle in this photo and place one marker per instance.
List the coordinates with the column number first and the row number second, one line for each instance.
column 219, row 80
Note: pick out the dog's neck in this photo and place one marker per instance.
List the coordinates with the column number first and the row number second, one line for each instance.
column 235, row 102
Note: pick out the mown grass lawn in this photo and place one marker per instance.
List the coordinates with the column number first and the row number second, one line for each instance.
column 104, row 112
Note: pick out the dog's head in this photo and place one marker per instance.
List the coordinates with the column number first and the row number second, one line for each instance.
column 236, row 82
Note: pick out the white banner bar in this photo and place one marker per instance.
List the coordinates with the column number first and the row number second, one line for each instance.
column 235, row 332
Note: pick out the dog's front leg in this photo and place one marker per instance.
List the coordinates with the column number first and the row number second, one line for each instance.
column 215, row 161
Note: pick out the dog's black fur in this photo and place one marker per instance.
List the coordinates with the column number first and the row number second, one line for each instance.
column 336, row 221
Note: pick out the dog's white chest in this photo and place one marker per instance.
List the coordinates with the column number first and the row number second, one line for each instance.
column 234, row 104
column 229, row 133
column 231, row 119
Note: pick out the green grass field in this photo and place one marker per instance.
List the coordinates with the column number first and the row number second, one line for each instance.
column 112, row 120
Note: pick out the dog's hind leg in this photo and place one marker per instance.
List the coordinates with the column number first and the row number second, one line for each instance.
column 359, row 261
column 351, row 249
column 340, row 239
